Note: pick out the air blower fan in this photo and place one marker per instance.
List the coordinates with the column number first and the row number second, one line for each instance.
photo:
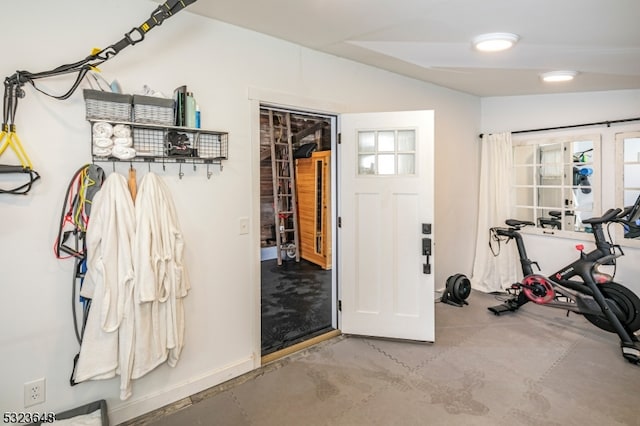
column 457, row 290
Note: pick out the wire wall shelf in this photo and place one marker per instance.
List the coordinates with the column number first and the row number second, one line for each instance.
column 155, row 143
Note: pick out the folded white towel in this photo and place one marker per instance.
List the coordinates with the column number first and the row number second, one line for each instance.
column 101, row 152
column 121, row 131
column 123, row 141
column 103, row 142
column 91, row 419
column 123, row 152
column 102, row 129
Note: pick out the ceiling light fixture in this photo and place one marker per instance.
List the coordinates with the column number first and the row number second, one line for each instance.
column 557, row 76
column 495, row 42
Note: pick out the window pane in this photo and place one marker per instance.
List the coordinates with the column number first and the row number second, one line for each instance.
column 367, row 164
column 550, row 197
column 366, row 142
column 524, row 176
column 386, row 164
column 523, row 213
column 582, row 152
column 551, row 161
column 630, row 197
column 632, row 175
column 524, row 196
column 631, row 150
column 406, row 140
column 570, row 221
column 386, row 141
column 406, row 164
column 547, row 175
column 550, row 218
column 524, row 154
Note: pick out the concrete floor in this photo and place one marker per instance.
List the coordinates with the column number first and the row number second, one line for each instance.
column 533, row 367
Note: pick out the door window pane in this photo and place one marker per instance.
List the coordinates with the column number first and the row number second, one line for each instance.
column 366, row 142
column 386, row 141
column 387, row 152
column 386, row 164
column 367, row 164
column 406, row 140
column 406, row 164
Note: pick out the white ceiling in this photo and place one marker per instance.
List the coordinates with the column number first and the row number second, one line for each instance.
column 430, row 40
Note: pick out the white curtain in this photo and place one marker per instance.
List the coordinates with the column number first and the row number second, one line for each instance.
column 494, row 273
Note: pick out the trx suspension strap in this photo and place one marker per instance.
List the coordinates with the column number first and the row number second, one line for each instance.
column 9, row 139
column 13, row 89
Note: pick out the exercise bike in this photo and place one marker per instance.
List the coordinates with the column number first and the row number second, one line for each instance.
column 579, row 287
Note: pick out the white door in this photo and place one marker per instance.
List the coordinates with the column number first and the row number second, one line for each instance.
column 386, row 194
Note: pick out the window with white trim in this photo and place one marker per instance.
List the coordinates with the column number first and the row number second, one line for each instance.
column 628, row 183
column 557, row 181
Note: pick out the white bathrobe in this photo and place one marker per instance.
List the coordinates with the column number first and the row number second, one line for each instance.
column 161, row 280
column 107, row 343
column 137, row 282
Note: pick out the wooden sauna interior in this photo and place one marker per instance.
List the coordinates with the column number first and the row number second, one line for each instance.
column 312, row 182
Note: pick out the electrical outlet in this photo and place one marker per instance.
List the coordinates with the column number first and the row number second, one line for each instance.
column 34, row 392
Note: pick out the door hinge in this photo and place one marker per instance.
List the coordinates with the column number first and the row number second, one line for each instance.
column 339, row 222
column 339, row 138
column 340, row 305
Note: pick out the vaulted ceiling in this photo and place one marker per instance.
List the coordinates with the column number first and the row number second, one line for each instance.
column 430, row 40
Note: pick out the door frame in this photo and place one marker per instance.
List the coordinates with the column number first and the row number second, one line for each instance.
column 262, row 97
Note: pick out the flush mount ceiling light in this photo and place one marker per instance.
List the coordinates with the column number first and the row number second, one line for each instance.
column 557, row 76
column 494, row 42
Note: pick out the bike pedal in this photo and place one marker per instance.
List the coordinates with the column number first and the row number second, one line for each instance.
column 631, row 352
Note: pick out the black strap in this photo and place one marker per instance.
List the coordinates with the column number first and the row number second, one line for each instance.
column 136, row 35
column 72, row 378
column 21, row 189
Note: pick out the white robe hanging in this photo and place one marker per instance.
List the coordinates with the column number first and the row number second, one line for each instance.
column 108, row 337
column 161, row 280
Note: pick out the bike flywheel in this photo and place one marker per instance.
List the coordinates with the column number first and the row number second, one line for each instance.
column 538, row 289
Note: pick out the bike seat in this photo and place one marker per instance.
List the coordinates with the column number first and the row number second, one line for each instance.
column 515, row 223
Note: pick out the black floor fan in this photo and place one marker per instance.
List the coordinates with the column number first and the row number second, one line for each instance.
column 457, row 290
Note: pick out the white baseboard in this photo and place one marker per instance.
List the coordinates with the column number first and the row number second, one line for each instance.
column 149, row 402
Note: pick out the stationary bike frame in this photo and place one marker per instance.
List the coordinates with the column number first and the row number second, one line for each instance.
column 584, row 296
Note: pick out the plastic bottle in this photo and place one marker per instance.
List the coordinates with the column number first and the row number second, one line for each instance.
column 197, row 116
column 190, row 109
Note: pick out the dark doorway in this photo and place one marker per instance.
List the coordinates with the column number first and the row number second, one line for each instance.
column 296, row 226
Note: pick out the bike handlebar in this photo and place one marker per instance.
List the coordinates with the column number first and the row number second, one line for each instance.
column 609, row 216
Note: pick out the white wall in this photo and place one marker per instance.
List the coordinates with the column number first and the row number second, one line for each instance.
column 543, row 111
column 220, row 63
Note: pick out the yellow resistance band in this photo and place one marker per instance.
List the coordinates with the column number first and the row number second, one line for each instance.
column 9, row 138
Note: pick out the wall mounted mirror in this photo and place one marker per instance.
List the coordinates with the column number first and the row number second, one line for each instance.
column 556, row 182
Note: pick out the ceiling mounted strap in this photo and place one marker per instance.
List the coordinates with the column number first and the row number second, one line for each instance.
column 97, row 57
column 136, row 35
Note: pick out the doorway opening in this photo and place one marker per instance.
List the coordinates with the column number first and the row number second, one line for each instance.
column 296, row 227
